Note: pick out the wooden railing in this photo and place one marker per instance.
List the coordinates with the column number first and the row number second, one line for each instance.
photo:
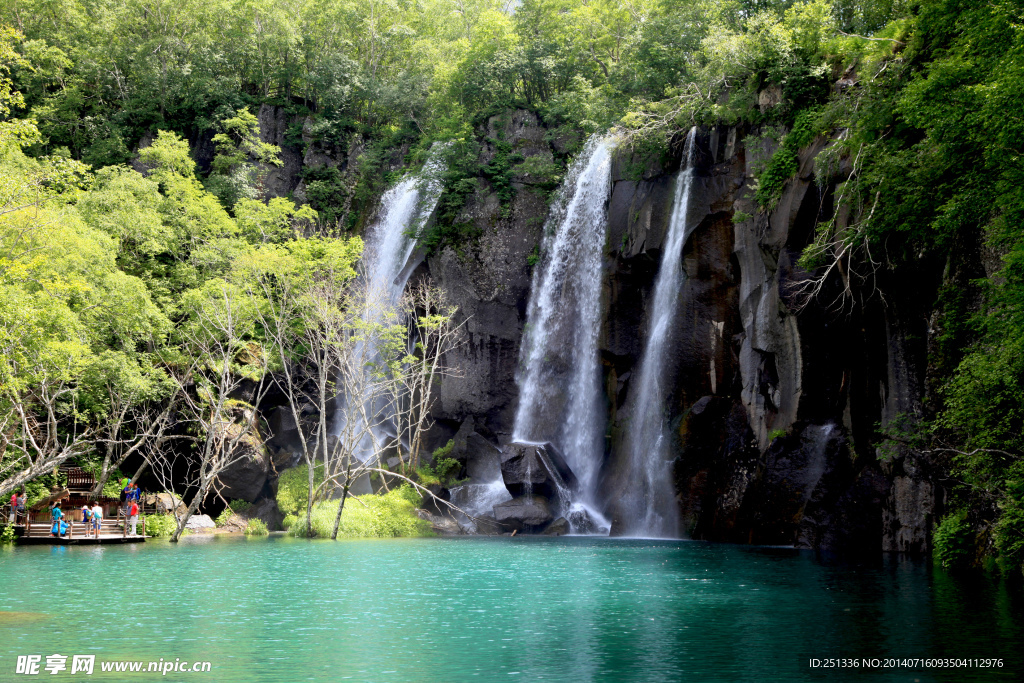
column 80, row 480
column 32, row 529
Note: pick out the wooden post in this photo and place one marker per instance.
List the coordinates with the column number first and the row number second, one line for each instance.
column 143, row 527
column 124, row 527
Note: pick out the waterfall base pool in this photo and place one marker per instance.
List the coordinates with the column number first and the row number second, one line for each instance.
column 474, row 609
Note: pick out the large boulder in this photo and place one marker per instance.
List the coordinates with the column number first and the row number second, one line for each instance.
column 483, row 459
column 165, row 503
column 535, row 469
column 200, row 523
column 525, row 513
column 244, row 478
column 559, row 527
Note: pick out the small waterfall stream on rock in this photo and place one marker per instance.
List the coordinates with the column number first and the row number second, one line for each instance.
column 560, row 377
column 649, row 504
column 388, row 261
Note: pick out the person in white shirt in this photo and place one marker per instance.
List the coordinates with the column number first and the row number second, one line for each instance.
column 97, row 519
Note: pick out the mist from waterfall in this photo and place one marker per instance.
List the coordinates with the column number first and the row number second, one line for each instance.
column 386, row 267
column 560, row 376
column 649, row 506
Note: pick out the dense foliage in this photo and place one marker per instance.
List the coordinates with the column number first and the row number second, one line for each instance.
column 389, row 515
column 102, row 266
column 160, row 526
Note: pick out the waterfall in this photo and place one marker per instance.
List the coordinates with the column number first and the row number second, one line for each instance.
column 649, row 505
column 388, row 261
column 560, row 375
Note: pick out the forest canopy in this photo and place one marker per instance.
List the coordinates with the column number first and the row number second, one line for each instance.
column 109, row 223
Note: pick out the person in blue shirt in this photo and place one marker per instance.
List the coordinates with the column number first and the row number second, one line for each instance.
column 126, row 497
column 58, row 525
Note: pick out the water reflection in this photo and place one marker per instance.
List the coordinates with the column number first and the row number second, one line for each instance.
column 566, row 609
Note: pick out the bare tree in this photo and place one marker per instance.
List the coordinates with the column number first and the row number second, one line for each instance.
column 434, row 334
column 353, row 384
column 840, row 251
column 365, row 337
column 313, row 322
column 128, row 430
column 221, row 385
column 39, row 429
column 397, row 391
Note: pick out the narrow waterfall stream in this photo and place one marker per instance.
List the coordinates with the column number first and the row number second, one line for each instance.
column 560, row 377
column 387, row 264
column 649, row 505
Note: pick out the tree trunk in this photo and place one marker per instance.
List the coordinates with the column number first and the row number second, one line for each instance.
column 341, row 508
column 311, row 467
column 344, row 495
column 193, row 506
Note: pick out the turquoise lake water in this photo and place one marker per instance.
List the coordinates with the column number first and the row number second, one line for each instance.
column 533, row 609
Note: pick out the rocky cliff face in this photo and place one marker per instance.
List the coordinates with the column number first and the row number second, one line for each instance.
column 776, row 396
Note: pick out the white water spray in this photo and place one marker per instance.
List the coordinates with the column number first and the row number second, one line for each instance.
column 387, row 264
column 560, row 376
column 649, row 505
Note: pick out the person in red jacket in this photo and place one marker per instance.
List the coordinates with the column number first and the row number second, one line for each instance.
column 133, row 516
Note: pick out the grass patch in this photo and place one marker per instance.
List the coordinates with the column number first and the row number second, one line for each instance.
column 390, row 515
column 256, row 527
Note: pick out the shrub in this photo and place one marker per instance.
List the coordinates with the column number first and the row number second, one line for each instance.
column 293, row 488
column 444, row 451
column 288, row 521
column 6, row 534
column 389, row 515
column 256, row 527
column 447, row 468
column 443, row 470
column 953, row 541
column 785, row 162
column 224, row 517
column 534, row 256
column 425, row 476
column 1009, row 533
column 240, row 506
column 160, row 525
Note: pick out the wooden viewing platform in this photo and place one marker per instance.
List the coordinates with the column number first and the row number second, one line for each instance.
column 114, row 531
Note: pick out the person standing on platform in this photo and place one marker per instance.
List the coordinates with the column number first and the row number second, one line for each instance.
column 58, row 523
column 97, row 519
column 133, row 516
column 126, row 493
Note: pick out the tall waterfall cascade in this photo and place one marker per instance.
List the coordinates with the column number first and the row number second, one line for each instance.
column 649, row 505
column 560, row 374
column 388, row 261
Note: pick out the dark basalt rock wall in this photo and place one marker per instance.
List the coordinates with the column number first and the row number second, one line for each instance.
column 776, row 397
column 490, row 282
